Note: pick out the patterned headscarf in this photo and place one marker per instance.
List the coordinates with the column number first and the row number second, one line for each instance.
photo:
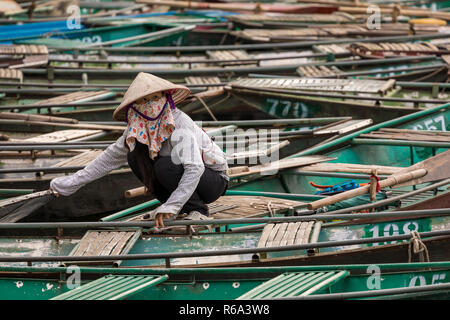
column 150, row 123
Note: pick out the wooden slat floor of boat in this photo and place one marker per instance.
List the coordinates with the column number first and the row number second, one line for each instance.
column 11, row 74
column 73, row 97
column 318, row 84
column 82, row 159
column 233, row 207
column 62, row 135
column 23, row 49
column 104, row 243
column 405, row 134
column 285, row 234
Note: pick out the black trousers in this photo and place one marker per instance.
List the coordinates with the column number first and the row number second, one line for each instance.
column 162, row 176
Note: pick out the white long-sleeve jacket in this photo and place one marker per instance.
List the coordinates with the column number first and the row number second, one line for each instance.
column 188, row 145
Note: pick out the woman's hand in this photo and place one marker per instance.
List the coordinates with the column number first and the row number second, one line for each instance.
column 159, row 219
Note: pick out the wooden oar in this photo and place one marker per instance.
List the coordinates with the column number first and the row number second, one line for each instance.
column 36, row 117
column 432, row 169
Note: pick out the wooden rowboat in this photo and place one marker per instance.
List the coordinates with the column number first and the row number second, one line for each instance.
column 379, row 99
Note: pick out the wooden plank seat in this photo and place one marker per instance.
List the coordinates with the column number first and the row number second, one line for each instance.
column 286, row 234
column 210, row 91
column 112, row 287
column 104, row 243
column 295, row 284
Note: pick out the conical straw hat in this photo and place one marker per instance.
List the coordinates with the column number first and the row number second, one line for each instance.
column 145, row 84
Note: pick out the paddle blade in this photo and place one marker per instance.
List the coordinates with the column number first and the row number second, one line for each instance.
column 14, row 209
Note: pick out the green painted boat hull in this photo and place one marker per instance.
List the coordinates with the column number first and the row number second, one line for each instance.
column 229, row 284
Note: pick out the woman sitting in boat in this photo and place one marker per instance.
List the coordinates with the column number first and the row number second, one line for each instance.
column 172, row 156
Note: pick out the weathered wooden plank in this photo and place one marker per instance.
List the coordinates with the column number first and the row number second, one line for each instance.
column 265, row 235
column 74, row 97
column 109, row 236
column 272, row 235
column 117, row 236
column 121, row 244
column 300, row 233
column 292, row 232
column 280, row 234
column 95, row 244
column 85, row 243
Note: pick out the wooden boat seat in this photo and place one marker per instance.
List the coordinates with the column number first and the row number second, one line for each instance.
column 295, row 284
column 74, row 97
column 230, row 55
column 104, row 243
column 210, row 91
column 112, row 287
column 286, row 234
column 317, row 71
column 331, row 48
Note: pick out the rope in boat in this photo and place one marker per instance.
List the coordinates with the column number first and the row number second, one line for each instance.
column 418, row 247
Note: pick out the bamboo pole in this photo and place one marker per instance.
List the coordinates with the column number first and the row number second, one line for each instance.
column 390, row 181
